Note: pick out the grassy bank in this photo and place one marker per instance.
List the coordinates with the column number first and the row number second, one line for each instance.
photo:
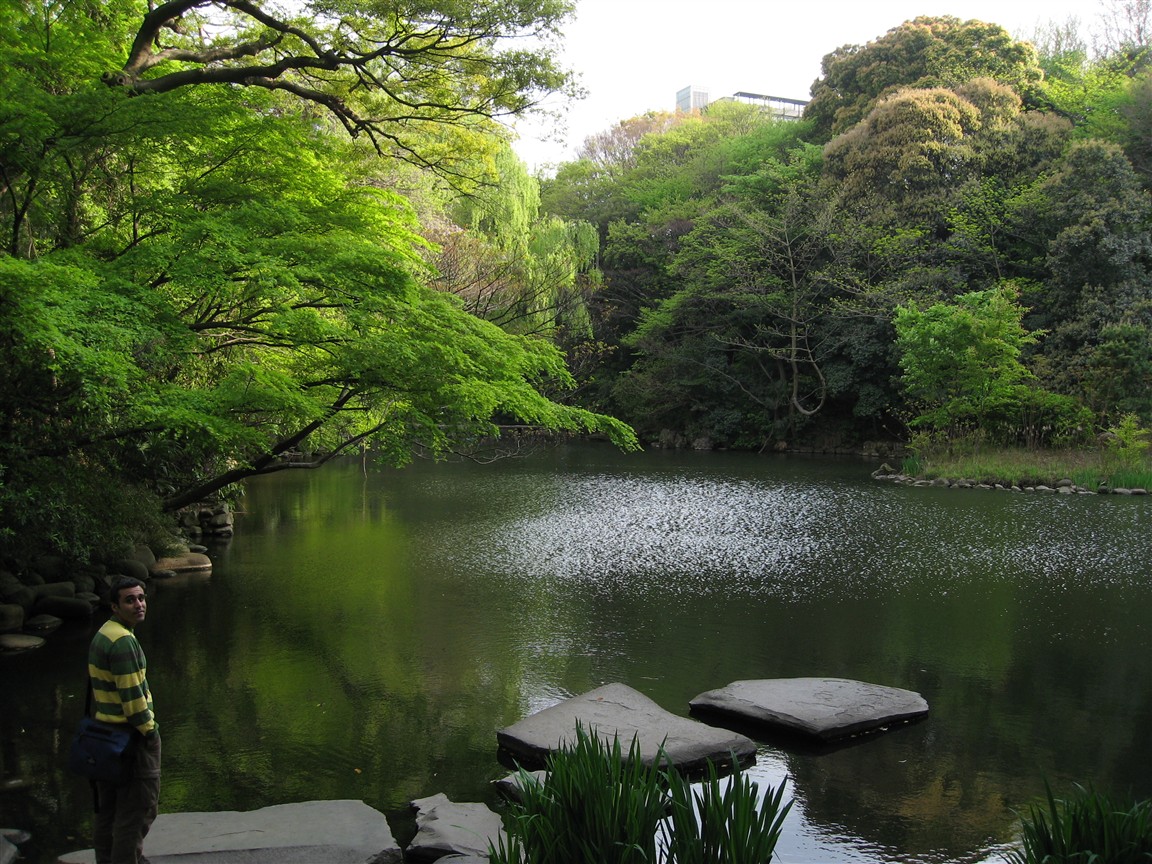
column 1087, row 468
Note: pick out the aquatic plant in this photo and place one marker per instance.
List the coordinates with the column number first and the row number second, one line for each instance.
column 1085, row 828
column 598, row 805
column 724, row 821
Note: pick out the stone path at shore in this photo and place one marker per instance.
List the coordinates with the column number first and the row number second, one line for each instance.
column 310, row 832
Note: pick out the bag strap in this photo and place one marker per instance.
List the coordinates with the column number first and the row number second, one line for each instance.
column 88, row 713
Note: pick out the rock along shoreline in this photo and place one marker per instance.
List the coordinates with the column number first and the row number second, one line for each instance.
column 1064, row 486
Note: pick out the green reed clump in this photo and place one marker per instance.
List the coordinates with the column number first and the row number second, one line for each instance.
column 597, row 805
column 724, row 821
column 1086, row 828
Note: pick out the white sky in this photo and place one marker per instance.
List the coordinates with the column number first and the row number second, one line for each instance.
column 633, row 55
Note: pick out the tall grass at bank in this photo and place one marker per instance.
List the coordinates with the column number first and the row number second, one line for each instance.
column 1120, row 461
column 597, row 805
column 1089, row 469
column 1085, row 828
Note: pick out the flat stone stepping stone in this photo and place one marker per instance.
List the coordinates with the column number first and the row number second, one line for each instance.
column 444, row 828
column 616, row 710
column 42, row 624
column 309, row 832
column 825, row 708
column 15, row 642
column 510, row 786
column 189, row 562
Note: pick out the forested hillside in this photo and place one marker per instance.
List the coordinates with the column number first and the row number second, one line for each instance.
column 954, row 242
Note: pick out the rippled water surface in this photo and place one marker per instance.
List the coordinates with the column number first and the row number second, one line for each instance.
column 366, row 633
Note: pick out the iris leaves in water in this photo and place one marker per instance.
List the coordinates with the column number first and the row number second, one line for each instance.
column 596, row 805
column 1086, row 828
column 724, row 821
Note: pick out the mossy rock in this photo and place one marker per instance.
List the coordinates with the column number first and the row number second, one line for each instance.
column 31, row 578
column 21, row 595
column 54, row 589
column 145, row 556
column 11, row 618
column 131, row 567
column 68, row 608
column 52, row 567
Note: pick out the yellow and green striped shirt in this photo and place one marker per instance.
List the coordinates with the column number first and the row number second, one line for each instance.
column 118, row 670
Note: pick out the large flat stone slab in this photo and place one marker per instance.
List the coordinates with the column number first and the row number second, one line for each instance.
column 618, row 710
column 825, row 708
column 316, row 832
column 445, row 827
column 185, row 562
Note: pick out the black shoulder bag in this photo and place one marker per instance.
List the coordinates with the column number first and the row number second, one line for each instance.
column 102, row 751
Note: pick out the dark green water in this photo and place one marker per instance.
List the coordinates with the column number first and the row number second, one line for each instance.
column 366, row 633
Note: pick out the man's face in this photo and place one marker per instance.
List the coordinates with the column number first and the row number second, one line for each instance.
column 131, row 606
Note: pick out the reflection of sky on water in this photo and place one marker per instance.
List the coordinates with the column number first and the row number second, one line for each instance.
column 689, row 534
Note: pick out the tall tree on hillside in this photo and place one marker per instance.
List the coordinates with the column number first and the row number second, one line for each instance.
column 922, row 53
column 944, row 163
column 1088, row 223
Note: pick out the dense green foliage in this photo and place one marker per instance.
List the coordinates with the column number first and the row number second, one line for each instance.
column 1085, row 827
column 203, row 277
column 597, row 803
column 200, row 283
column 767, row 282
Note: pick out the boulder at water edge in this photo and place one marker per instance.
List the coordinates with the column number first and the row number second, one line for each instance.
column 616, row 710
column 444, row 827
column 826, row 708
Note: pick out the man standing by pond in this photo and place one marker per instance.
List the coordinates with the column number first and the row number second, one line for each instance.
column 118, row 670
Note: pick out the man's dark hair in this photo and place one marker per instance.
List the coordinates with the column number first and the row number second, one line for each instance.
column 122, row 583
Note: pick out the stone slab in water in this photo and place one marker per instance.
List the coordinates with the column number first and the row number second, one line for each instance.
column 42, row 624
column 15, row 642
column 618, row 710
column 511, row 788
column 826, row 708
column 444, row 827
column 188, row 562
column 321, row 832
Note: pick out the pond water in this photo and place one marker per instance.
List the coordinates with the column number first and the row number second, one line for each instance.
column 367, row 631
